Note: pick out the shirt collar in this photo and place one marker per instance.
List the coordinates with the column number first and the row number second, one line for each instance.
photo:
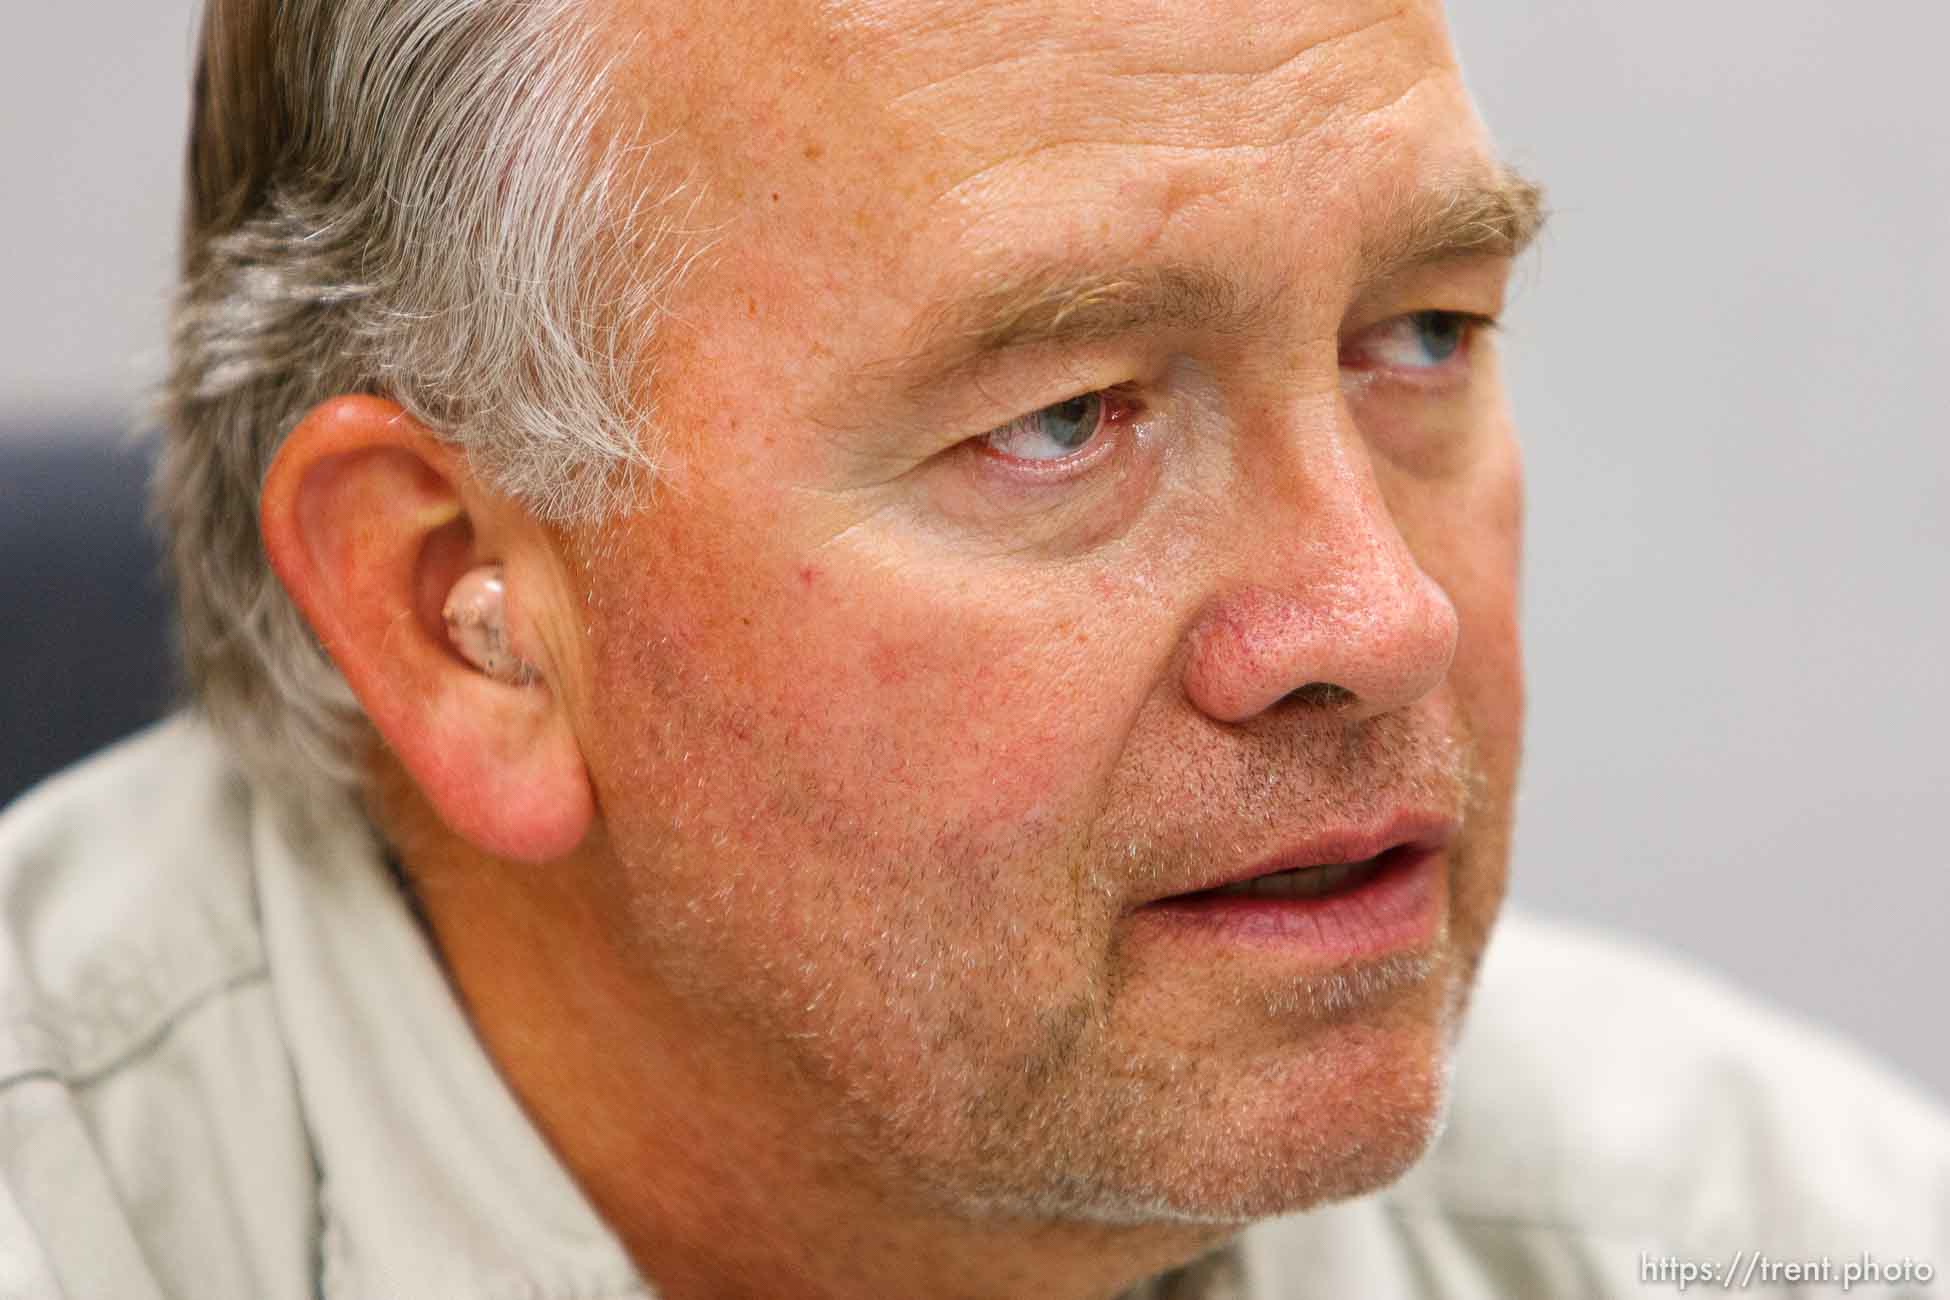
column 433, row 1182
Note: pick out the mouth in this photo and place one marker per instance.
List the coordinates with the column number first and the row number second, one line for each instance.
column 1322, row 881
column 1333, row 899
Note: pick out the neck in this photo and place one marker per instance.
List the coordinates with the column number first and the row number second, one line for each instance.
column 718, row 1173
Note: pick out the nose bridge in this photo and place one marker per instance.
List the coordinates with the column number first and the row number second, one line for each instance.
column 1324, row 591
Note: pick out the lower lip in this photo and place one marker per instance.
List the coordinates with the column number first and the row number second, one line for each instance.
column 1398, row 909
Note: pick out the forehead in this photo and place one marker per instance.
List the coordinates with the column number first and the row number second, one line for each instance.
column 887, row 154
column 1098, row 70
column 963, row 86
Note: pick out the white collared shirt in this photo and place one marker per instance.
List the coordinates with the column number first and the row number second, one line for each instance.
column 231, row 1068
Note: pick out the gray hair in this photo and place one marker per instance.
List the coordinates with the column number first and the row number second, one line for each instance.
column 409, row 198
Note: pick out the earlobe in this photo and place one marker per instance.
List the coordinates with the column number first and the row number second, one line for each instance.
column 378, row 530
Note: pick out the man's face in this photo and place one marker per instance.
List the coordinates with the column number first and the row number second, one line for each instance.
column 902, row 729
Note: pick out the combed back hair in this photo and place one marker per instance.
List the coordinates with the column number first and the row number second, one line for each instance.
column 421, row 200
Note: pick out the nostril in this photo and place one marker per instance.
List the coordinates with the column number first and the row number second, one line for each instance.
column 1323, row 696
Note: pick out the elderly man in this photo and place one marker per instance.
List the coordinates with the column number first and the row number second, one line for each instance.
column 859, row 648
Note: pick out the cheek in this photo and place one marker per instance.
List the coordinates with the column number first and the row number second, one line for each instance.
column 865, row 717
column 1487, row 680
column 1495, row 649
column 974, row 716
column 1467, row 533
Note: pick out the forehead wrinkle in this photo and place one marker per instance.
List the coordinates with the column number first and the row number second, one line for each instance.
column 950, row 34
column 1150, row 70
column 979, row 74
column 1150, row 110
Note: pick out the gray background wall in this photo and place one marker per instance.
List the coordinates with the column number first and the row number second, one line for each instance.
column 1729, row 358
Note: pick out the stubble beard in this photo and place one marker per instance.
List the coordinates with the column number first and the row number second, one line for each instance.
column 1171, row 1141
column 977, row 1068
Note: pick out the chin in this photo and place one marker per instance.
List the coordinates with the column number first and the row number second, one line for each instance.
column 1341, row 1128
column 1344, row 1111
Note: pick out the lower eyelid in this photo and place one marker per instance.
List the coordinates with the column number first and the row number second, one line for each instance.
column 1027, row 470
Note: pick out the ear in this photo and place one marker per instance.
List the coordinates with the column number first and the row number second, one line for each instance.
column 370, row 521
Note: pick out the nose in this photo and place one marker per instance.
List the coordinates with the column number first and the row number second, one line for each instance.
column 1326, row 606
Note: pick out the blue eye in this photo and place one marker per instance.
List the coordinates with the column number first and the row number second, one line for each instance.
column 1440, row 332
column 1423, row 340
column 1057, row 430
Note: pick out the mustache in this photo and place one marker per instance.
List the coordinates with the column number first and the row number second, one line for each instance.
column 1242, row 795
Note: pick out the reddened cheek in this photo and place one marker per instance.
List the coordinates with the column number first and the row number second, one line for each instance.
column 842, row 693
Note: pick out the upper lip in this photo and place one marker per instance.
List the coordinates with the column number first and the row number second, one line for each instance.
column 1414, row 830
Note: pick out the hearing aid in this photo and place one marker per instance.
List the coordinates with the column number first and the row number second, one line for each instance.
column 476, row 615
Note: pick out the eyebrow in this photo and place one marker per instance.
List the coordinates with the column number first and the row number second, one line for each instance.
column 1497, row 215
